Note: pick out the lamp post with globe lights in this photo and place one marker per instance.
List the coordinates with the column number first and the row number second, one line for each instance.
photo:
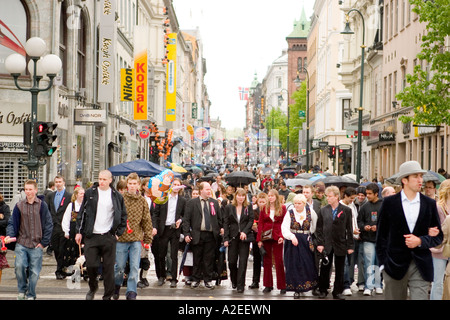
column 38, row 66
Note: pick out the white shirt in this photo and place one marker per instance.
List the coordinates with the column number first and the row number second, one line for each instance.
column 171, row 209
column 68, row 216
column 105, row 212
column 411, row 209
column 299, row 217
column 354, row 216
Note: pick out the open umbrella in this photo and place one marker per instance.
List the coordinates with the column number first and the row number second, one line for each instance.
column 297, row 182
column 142, row 167
column 317, row 176
column 240, row 178
column 193, row 169
column 287, row 172
column 305, row 175
column 338, row 181
column 177, row 168
column 428, row 176
column 209, row 177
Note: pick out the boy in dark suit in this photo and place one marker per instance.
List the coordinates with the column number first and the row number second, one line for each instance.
column 201, row 229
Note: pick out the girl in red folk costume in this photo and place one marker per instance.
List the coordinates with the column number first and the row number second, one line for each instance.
column 271, row 239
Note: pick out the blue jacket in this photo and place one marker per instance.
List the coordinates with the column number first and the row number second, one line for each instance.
column 46, row 223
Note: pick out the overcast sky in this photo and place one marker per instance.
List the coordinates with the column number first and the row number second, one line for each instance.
column 240, row 37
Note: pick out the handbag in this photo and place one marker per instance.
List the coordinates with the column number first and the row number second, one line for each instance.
column 266, row 235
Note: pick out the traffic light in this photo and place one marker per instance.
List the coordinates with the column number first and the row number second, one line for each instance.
column 331, row 151
column 43, row 138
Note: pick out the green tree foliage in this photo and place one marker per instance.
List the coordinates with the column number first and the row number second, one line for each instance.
column 278, row 120
column 428, row 92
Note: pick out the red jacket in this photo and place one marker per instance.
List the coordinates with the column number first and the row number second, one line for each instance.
column 265, row 223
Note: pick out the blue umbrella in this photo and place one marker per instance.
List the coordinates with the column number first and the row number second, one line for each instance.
column 317, row 176
column 142, row 167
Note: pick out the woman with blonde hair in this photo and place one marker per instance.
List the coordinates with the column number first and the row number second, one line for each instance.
column 439, row 261
column 238, row 220
column 261, row 202
column 271, row 239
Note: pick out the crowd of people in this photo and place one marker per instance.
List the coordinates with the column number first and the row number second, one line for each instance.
column 394, row 236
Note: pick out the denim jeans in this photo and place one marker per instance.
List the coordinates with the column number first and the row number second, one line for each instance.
column 373, row 275
column 437, row 286
column 125, row 251
column 31, row 259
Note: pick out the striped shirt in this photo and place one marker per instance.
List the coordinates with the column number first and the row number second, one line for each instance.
column 30, row 231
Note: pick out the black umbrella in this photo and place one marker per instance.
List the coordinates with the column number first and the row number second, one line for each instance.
column 240, row 178
column 183, row 258
column 287, row 172
column 209, row 177
column 338, row 181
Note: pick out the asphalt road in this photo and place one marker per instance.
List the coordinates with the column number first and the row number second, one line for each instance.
column 48, row 288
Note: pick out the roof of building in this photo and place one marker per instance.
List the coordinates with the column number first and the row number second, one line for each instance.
column 301, row 27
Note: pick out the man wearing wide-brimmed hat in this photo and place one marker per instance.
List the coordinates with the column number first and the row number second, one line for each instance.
column 403, row 237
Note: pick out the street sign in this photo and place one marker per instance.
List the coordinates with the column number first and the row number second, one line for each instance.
column 301, row 114
column 364, row 133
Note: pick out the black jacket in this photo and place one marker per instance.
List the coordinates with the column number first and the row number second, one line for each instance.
column 6, row 211
column 232, row 227
column 391, row 249
column 57, row 215
column 88, row 213
column 335, row 234
column 160, row 214
column 193, row 219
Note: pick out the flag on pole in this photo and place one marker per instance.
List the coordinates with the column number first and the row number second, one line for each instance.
column 243, row 93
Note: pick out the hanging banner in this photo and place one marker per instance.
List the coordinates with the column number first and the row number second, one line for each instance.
column 107, row 51
column 140, row 103
column 127, row 89
column 201, row 134
column 171, row 76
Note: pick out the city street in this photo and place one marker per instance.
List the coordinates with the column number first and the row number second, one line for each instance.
column 49, row 288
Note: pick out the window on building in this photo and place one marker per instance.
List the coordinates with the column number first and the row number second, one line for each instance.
column 81, row 52
column 13, row 16
column 63, row 42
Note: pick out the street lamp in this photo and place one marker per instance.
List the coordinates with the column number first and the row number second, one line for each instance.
column 297, row 82
column 280, row 98
column 38, row 66
column 348, row 31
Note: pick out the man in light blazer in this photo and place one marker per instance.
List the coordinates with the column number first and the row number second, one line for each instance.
column 403, row 237
column 201, row 229
column 168, row 218
column 57, row 203
column 334, row 232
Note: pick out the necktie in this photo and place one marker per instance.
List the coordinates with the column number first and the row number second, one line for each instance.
column 334, row 213
column 57, row 200
column 206, row 215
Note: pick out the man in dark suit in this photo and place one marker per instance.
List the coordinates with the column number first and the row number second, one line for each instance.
column 405, row 224
column 57, row 203
column 201, row 229
column 334, row 232
column 168, row 218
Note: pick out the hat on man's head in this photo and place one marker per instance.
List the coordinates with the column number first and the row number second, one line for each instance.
column 408, row 168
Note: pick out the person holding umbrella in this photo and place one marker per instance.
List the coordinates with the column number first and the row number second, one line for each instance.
column 238, row 221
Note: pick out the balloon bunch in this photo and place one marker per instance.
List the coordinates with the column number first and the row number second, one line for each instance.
column 166, row 144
